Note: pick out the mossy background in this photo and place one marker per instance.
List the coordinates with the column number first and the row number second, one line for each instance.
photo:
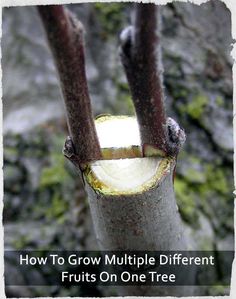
column 45, row 206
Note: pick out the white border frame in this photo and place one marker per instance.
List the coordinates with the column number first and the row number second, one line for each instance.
column 231, row 5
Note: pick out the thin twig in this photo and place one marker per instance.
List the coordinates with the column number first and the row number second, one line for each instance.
column 140, row 54
column 65, row 36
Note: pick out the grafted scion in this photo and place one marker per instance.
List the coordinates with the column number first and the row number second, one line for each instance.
column 65, row 36
column 141, row 57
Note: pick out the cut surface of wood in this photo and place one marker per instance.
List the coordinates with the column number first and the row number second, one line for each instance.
column 124, row 176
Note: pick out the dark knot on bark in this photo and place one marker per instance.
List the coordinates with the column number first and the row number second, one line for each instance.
column 176, row 137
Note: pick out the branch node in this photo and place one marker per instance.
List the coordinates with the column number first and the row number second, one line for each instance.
column 68, row 149
column 176, row 137
column 69, row 152
column 126, row 40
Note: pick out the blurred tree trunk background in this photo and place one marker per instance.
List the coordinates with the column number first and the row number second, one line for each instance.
column 196, row 44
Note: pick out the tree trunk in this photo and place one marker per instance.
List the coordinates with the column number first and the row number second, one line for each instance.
column 133, row 206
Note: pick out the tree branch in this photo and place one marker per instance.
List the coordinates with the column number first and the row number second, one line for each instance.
column 139, row 53
column 65, row 36
column 141, row 58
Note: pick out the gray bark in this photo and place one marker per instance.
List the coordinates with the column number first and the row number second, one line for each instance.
column 144, row 221
column 147, row 221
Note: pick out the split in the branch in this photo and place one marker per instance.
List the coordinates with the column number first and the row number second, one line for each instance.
column 141, row 57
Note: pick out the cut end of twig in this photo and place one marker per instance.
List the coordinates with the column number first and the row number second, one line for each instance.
column 126, row 41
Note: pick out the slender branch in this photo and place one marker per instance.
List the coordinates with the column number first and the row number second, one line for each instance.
column 65, row 36
column 139, row 55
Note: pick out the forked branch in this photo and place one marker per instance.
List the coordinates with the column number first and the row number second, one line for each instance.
column 65, row 36
column 140, row 53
